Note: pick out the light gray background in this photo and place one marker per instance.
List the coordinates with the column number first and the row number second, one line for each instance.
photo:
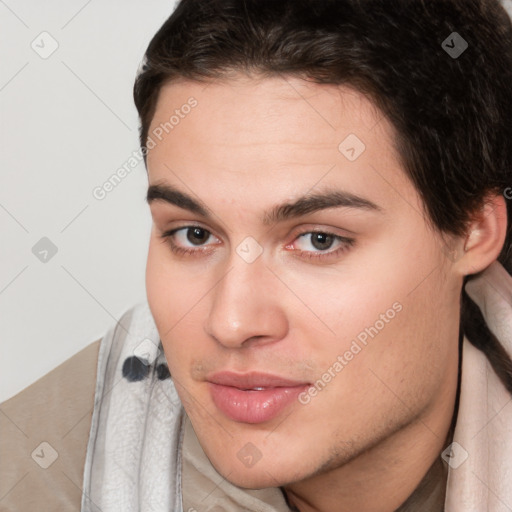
column 67, row 124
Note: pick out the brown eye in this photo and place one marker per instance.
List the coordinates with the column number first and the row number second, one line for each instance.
column 197, row 235
column 188, row 240
column 321, row 241
column 315, row 245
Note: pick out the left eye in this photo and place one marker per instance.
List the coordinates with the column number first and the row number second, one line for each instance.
column 319, row 240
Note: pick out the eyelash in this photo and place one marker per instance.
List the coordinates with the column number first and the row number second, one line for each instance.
column 347, row 243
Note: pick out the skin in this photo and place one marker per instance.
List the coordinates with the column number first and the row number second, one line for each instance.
column 366, row 440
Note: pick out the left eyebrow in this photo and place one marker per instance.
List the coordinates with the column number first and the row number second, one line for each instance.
column 319, row 201
column 309, row 203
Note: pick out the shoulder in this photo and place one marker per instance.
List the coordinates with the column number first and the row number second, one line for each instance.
column 45, row 429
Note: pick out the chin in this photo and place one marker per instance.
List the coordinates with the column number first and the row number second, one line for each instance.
column 261, row 475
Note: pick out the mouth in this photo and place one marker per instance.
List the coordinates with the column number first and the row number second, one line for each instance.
column 253, row 397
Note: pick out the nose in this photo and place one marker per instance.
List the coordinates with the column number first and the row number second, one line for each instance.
column 245, row 306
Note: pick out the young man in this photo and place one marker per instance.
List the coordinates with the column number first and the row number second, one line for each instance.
column 326, row 179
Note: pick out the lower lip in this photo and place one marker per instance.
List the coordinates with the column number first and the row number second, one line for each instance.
column 253, row 406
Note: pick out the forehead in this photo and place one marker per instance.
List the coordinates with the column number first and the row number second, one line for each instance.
column 286, row 131
column 253, row 103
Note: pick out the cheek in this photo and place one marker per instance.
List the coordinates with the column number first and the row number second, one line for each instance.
column 392, row 331
column 175, row 305
column 157, row 284
column 162, row 291
column 405, row 354
column 169, row 291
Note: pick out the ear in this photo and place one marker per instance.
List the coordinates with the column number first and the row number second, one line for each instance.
column 485, row 237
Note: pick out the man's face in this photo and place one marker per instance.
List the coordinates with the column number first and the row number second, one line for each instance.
column 299, row 340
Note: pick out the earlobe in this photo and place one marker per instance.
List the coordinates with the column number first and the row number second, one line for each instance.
column 485, row 237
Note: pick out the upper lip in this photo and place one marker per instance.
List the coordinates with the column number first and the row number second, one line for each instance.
column 252, row 380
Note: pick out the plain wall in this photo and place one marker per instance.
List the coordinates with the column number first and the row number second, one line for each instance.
column 67, row 123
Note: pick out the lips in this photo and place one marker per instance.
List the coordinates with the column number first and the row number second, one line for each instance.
column 252, row 380
column 253, row 397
